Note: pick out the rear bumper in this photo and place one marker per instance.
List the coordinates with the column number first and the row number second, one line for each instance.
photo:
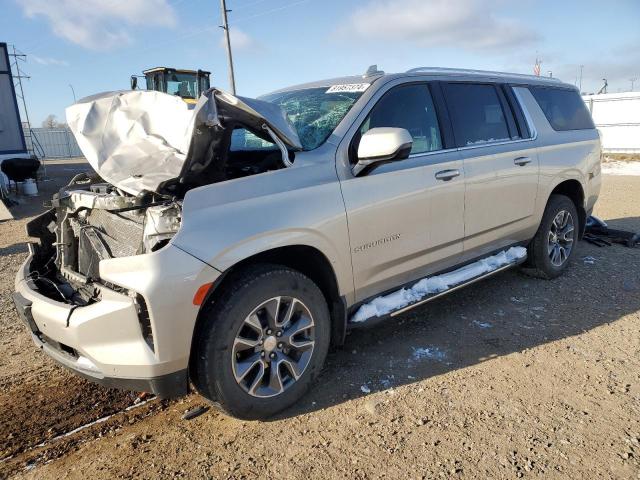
column 104, row 342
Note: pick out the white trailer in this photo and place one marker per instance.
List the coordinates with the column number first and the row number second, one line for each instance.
column 617, row 116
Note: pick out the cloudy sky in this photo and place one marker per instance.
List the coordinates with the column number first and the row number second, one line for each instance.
column 95, row 45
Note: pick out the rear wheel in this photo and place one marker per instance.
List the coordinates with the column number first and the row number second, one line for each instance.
column 554, row 244
column 263, row 342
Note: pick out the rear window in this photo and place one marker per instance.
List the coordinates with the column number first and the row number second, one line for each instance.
column 476, row 113
column 564, row 108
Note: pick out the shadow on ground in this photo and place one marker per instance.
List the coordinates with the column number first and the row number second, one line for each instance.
column 504, row 314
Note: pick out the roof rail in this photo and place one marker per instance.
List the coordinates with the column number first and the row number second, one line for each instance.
column 462, row 71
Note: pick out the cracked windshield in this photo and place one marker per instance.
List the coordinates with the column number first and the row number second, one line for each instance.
column 314, row 112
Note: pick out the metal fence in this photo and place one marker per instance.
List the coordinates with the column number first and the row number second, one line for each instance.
column 55, row 142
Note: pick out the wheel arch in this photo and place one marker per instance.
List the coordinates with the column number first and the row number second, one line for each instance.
column 573, row 190
column 303, row 258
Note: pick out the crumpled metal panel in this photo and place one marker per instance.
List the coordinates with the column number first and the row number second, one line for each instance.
column 136, row 140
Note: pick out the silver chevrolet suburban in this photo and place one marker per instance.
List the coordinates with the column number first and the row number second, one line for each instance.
column 224, row 247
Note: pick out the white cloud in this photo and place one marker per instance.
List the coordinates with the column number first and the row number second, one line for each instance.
column 99, row 24
column 49, row 61
column 239, row 40
column 469, row 24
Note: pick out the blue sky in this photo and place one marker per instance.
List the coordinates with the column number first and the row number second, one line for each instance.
column 95, row 45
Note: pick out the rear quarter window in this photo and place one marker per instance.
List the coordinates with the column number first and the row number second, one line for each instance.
column 563, row 108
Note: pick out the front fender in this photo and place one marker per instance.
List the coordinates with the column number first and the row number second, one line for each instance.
column 228, row 222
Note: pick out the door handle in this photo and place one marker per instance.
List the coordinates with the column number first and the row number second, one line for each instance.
column 522, row 161
column 447, row 175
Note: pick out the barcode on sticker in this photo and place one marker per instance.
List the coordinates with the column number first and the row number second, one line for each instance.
column 348, row 87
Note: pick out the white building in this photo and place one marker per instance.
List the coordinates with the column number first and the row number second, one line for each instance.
column 617, row 116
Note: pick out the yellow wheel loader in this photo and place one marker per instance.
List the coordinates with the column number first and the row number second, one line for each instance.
column 187, row 84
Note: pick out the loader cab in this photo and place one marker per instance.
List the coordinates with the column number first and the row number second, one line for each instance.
column 187, row 84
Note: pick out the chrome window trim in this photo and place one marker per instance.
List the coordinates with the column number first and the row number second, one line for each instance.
column 432, row 152
column 492, row 144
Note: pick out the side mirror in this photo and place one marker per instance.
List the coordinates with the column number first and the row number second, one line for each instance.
column 382, row 145
column 134, row 82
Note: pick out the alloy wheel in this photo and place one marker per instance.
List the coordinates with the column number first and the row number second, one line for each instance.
column 273, row 346
column 560, row 240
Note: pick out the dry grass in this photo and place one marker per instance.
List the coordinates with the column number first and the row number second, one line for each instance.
column 621, row 157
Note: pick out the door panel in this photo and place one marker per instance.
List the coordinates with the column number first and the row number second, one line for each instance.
column 401, row 219
column 400, row 216
column 500, row 163
column 500, row 193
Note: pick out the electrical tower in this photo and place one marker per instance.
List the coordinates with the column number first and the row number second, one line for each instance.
column 33, row 145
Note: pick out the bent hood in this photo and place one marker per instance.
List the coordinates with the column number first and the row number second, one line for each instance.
column 138, row 140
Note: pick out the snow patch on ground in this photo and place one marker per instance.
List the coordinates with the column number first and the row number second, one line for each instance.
column 621, row 168
column 482, row 324
column 429, row 353
column 388, row 303
column 387, row 382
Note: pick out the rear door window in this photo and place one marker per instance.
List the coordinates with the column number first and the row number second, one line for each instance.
column 410, row 107
column 563, row 107
column 477, row 114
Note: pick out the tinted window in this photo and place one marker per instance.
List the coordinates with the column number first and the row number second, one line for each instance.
column 564, row 109
column 410, row 107
column 476, row 114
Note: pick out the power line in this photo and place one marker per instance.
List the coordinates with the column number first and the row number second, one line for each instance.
column 242, row 7
column 266, row 12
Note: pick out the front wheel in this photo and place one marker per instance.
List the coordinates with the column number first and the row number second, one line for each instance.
column 554, row 244
column 263, row 342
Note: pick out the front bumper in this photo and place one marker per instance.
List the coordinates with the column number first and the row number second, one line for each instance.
column 103, row 341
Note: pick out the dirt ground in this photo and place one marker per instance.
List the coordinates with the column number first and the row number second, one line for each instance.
column 512, row 377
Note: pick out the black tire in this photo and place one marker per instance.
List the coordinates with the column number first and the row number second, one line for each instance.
column 223, row 320
column 540, row 259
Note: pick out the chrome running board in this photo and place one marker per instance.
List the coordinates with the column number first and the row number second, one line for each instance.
column 452, row 289
column 433, row 296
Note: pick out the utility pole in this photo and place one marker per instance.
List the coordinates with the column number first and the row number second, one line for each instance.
column 632, row 80
column 580, row 86
column 225, row 27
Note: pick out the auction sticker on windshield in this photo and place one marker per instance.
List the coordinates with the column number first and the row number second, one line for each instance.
column 348, row 87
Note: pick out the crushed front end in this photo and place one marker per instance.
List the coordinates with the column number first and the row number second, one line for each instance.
column 90, row 222
column 102, row 289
